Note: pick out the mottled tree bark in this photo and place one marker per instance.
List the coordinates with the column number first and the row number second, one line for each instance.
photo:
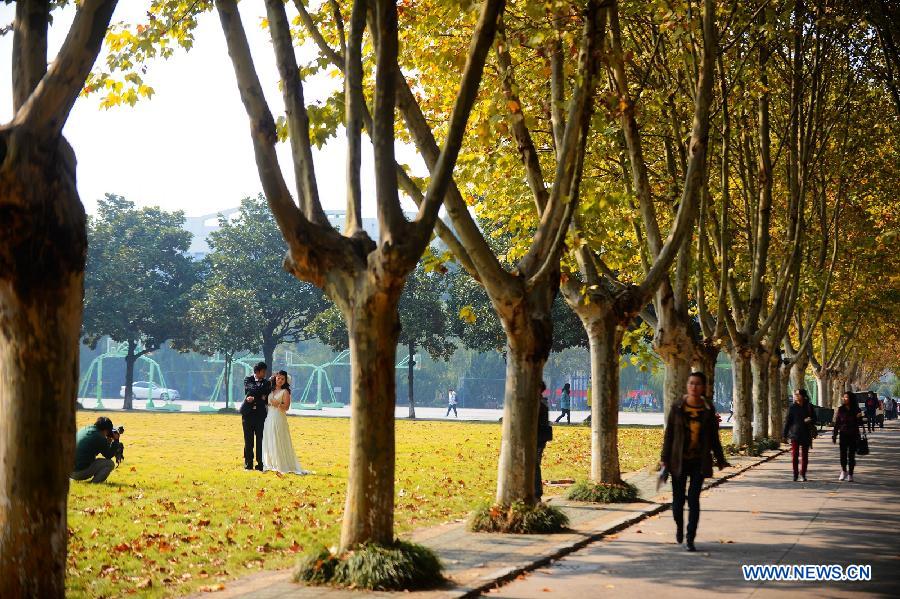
column 369, row 509
column 42, row 258
column 776, row 398
column 743, row 408
column 759, row 367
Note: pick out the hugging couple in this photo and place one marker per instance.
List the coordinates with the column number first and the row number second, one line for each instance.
column 264, row 417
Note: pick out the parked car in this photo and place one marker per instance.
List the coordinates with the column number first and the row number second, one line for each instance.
column 141, row 390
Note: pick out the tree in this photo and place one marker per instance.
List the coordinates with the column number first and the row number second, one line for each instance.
column 223, row 319
column 138, row 279
column 42, row 258
column 607, row 306
column 363, row 277
column 247, row 254
column 423, row 323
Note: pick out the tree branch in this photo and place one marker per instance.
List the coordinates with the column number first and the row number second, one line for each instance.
column 355, row 104
column 442, row 173
column 298, row 232
column 47, row 108
column 29, row 54
column 297, row 118
column 534, row 175
column 391, row 222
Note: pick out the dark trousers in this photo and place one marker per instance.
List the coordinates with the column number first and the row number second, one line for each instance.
column 848, row 452
column 689, row 469
column 870, row 421
column 452, row 407
column 538, row 479
column 799, row 453
column 567, row 413
column 252, row 428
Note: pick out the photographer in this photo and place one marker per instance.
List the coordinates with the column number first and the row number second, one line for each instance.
column 101, row 438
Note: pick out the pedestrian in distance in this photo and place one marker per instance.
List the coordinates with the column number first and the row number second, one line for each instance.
column 871, row 411
column 690, row 444
column 544, row 436
column 846, row 428
column 879, row 414
column 799, row 427
column 565, row 404
column 730, row 411
column 451, row 403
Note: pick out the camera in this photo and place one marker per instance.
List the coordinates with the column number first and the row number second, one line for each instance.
column 120, row 455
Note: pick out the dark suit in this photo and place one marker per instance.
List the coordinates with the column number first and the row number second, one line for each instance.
column 253, row 417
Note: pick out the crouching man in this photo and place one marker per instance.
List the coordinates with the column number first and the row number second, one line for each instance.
column 98, row 438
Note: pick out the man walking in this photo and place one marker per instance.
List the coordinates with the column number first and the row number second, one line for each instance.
column 253, row 414
column 691, row 441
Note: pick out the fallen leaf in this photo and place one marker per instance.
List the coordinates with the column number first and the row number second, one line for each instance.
column 212, row 588
column 145, row 584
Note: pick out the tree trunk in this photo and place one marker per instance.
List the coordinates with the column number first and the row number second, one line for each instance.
column 798, row 372
column 268, row 352
column 759, row 366
column 605, row 338
column 742, row 394
column 776, row 399
column 130, row 359
column 529, row 336
column 409, row 379
column 42, row 257
column 518, row 446
column 374, row 326
column 824, row 388
column 675, row 346
column 226, row 381
column 705, row 362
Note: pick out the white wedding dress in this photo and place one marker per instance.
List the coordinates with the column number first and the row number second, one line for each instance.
column 278, row 451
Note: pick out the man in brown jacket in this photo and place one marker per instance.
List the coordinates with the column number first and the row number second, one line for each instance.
column 691, row 441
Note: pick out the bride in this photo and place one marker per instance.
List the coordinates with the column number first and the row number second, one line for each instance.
column 277, row 449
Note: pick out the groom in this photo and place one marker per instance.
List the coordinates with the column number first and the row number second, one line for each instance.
column 253, row 414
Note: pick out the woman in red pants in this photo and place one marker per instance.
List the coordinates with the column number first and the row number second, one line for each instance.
column 798, row 428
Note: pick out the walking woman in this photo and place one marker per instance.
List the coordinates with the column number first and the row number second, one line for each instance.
column 798, row 427
column 846, row 428
column 565, row 404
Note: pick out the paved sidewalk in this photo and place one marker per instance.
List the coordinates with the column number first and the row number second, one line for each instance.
column 477, row 562
column 761, row 517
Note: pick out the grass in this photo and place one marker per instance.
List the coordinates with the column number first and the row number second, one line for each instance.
column 519, row 518
column 403, row 566
column 181, row 514
column 586, row 490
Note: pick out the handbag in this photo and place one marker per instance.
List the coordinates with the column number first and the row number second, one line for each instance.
column 862, row 445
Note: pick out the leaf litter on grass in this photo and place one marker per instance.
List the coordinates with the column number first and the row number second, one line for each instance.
column 181, row 515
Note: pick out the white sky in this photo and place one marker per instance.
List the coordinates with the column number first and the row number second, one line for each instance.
column 188, row 148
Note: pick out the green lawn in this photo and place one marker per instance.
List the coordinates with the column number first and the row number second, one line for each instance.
column 181, row 513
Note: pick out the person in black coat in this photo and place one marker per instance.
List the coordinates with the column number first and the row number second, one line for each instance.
column 253, row 414
column 846, row 426
column 544, row 435
column 798, row 427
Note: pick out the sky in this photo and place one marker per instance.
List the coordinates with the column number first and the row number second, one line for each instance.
column 188, row 148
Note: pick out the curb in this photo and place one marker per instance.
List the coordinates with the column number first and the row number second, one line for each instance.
column 508, row 574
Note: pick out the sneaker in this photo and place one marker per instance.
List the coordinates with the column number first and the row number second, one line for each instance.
column 689, row 546
column 803, row 477
column 843, row 475
column 849, row 478
column 679, row 536
column 795, row 478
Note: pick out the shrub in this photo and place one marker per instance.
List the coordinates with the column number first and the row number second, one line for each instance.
column 519, row 518
column 586, row 490
column 398, row 567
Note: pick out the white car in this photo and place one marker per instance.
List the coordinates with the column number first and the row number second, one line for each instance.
column 141, row 390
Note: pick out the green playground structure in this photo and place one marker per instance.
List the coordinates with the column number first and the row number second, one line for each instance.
column 223, row 386
column 119, row 351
